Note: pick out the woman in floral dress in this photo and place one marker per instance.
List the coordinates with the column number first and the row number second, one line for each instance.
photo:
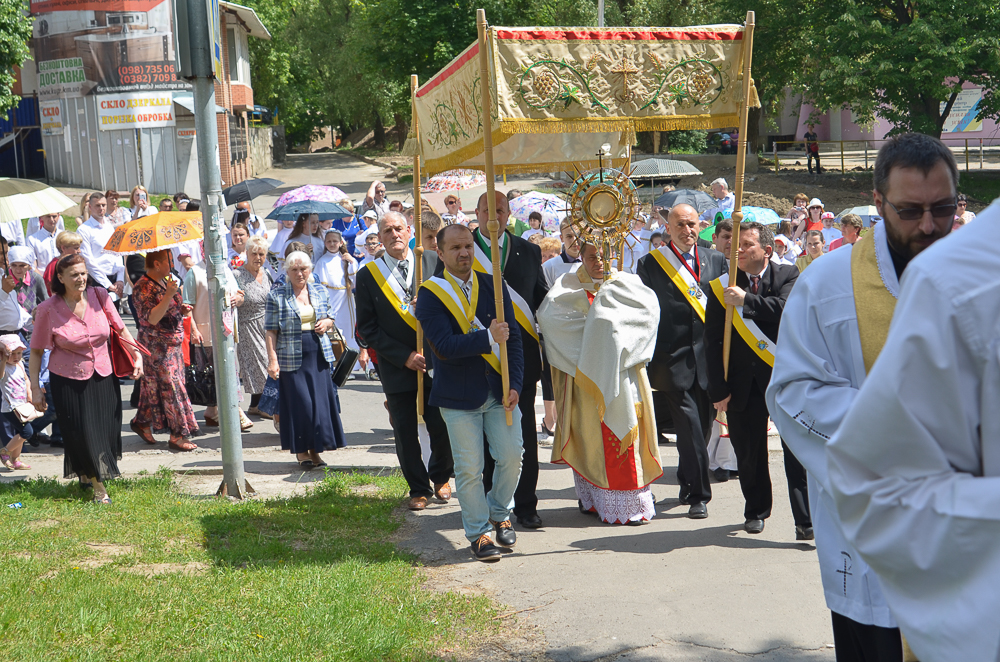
column 163, row 400
column 251, row 351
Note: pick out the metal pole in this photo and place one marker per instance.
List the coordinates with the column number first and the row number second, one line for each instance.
column 774, row 146
column 842, row 169
column 966, row 155
column 210, row 179
column 980, row 153
column 600, row 13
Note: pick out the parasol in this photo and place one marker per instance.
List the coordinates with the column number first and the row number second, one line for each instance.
column 312, row 192
column 686, row 196
column 325, row 210
column 552, row 208
column 454, row 180
column 24, row 198
column 155, row 232
column 868, row 213
column 249, row 189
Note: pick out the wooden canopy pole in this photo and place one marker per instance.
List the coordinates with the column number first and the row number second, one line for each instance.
column 418, row 251
column 493, row 225
column 741, row 157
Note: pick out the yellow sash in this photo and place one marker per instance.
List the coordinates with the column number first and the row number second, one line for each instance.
column 682, row 278
column 522, row 312
column 872, row 300
column 748, row 329
column 450, row 295
column 392, row 290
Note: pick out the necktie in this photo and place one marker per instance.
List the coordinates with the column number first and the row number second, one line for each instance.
column 402, row 266
column 754, row 283
column 467, row 290
column 689, row 259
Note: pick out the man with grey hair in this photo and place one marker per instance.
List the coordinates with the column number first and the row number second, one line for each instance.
column 758, row 295
column 724, row 199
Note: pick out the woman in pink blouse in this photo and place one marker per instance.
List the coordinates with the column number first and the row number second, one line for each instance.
column 75, row 325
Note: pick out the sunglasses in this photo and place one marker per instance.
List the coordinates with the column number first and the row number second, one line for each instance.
column 916, row 213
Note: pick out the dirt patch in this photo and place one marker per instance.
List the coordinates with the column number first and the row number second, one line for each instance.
column 106, row 553
column 364, row 490
column 154, row 569
column 43, row 524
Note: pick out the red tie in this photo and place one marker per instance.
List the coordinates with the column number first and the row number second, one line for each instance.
column 754, row 282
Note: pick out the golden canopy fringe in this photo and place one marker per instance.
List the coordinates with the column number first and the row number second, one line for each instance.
column 411, row 147
column 617, row 124
column 754, row 100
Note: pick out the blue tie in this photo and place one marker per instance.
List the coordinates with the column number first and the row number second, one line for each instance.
column 688, row 258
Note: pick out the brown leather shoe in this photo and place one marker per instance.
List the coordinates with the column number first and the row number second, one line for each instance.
column 417, row 503
column 442, row 492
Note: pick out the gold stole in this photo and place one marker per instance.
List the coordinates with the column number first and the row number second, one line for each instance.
column 872, row 300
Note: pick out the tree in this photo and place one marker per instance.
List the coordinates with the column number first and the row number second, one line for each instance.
column 892, row 59
column 15, row 31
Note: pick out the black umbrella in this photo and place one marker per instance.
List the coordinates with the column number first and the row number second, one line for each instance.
column 685, row 196
column 249, row 189
column 325, row 210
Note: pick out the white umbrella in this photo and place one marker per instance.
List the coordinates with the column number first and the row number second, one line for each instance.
column 868, row 214
column 24, row 198
column 552, row 208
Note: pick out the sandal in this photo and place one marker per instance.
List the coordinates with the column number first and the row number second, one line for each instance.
column 21, row 465
column 245, row 423
column 181, row 444
column 211, row 422
column 5, row 460
column 144, row 433
column 86, row 485
column 104, row 500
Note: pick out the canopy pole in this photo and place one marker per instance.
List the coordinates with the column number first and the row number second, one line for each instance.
column 491, row 200
column 741, row 152
column 418, row 250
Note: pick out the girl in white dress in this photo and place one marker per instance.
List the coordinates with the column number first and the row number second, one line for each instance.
column 336, row 269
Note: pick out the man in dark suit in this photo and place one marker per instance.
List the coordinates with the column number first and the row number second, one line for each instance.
column 458, row 313
column 386, row 323
column 761, row 289
column 521, row 267
column 680, row 273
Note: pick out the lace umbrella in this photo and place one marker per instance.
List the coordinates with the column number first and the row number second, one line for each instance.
column 454, row 180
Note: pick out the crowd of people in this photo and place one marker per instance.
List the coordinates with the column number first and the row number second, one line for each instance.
column 659, row 318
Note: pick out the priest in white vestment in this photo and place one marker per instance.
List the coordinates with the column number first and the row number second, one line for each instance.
column 599, row 335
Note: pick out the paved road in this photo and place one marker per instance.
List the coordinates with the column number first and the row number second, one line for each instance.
column 674, row 589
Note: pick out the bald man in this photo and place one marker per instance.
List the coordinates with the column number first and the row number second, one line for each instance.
column 521, row 267
column 679, row 272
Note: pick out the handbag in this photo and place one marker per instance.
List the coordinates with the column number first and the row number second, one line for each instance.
column 269, row 397
column 199, row 380
column 122, row 363
column 26, row 412
column 345, row 364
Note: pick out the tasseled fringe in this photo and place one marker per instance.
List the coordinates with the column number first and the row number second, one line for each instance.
column 618, row 124
column 411, row 147
column 754, row 101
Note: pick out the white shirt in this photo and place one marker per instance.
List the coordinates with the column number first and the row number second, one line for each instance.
column 555, row 268
column 636, row 245
column 34, row 226
column 529, row 233
column 12, row 316
column 13, row 232
column 818, row 369
column 727, row 202
column 380, row 208
column 43, row 243
column 915, row 467
column 139, row 213
column 101, row 265
column 829, row 234
column 190, row 248
column 466, row 287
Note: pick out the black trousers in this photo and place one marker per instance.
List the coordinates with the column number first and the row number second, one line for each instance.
column 809, row 162
column 692, row 415
column 748, row 434
column 856, row 642
column 525, row 500
column 403, row 407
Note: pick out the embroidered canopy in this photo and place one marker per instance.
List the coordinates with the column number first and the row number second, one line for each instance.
column 560, row 93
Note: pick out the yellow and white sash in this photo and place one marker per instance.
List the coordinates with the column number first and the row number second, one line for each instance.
column 522, row 311
column 463, row 310
column 682, row 278
column 392, row 290
column 748, row 329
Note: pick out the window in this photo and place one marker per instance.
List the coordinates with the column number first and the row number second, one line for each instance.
column 234, row 60
column 237, row 138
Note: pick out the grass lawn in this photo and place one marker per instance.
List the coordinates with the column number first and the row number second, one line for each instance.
column 160, row 575
column 983, row 186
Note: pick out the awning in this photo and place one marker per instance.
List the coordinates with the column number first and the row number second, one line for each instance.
column 560, row 93
column 186, row 100
column 250, row 19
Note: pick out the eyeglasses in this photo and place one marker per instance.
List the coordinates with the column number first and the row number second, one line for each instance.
column 961, row 203
column 916, row 213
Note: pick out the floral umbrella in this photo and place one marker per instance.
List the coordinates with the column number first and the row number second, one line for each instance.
column 454, row 180
column 551, row 207
column 155, row 232
column 312, row 192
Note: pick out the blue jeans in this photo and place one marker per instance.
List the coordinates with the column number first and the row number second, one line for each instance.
column 465, row 430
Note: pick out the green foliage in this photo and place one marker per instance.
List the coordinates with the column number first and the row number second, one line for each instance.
column 685, row 142
column 304, row 578
column 15, row 31
column 897, row 60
